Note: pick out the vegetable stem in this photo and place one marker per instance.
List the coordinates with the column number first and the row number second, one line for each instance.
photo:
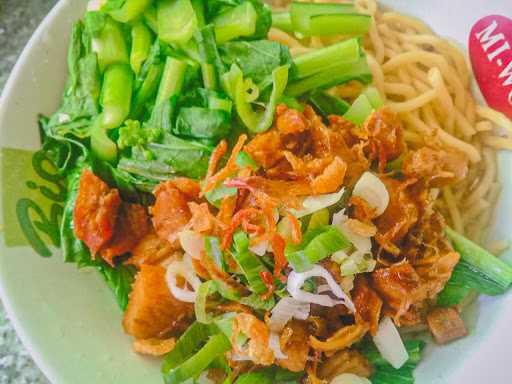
column 336, row 75
column 177, row 20
column 172, row 79
column 237, row 22
column 321, row 59
column 282, row 21
column 480, row 260
column 110, row 45
column 130, row 10
column 141, row 45
column 116, row 94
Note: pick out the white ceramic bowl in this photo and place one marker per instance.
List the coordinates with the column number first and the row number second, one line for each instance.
column 69, row 321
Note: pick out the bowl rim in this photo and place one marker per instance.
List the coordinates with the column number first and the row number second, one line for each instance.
column 48, row 370
column 25, row 339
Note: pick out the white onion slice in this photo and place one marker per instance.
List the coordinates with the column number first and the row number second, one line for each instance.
column 184, row 269
column 192, row 243
column 275, row 346
column 363, row 244
column 370, row 188
column 350, row 378
column 296, row 281
column 390, row 344
column 315, row 203
column 240, row 357
column 286, row 309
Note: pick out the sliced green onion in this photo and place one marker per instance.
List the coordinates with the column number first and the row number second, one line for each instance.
column 213, row 250
column 177, row 21
column 316, row 245
column 360, row 110
column 237, row 22
column 324, row 58
column 214, row 347
column 256, row 302
column 205, row 289
column 250, row 265
column 216, row 195
column 336, row 75
column 189, row 343
column 319, row 219
column 244, row 160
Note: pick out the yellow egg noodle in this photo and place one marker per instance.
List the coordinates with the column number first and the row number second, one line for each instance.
column 427, row 80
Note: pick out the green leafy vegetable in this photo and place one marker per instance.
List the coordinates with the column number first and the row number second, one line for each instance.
column 120, row 278
column 214, row 251
column 186, row 157
column 256, row 59
column 80, row 104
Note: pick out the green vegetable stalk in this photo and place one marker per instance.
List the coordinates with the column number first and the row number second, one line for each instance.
column 141, row 46
column 172, row 79
column 322, row 59
column 110, row 45
column 177, row 20
column 336, row 75
column 129, row 11
column 116, row 95
column 238, row 22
